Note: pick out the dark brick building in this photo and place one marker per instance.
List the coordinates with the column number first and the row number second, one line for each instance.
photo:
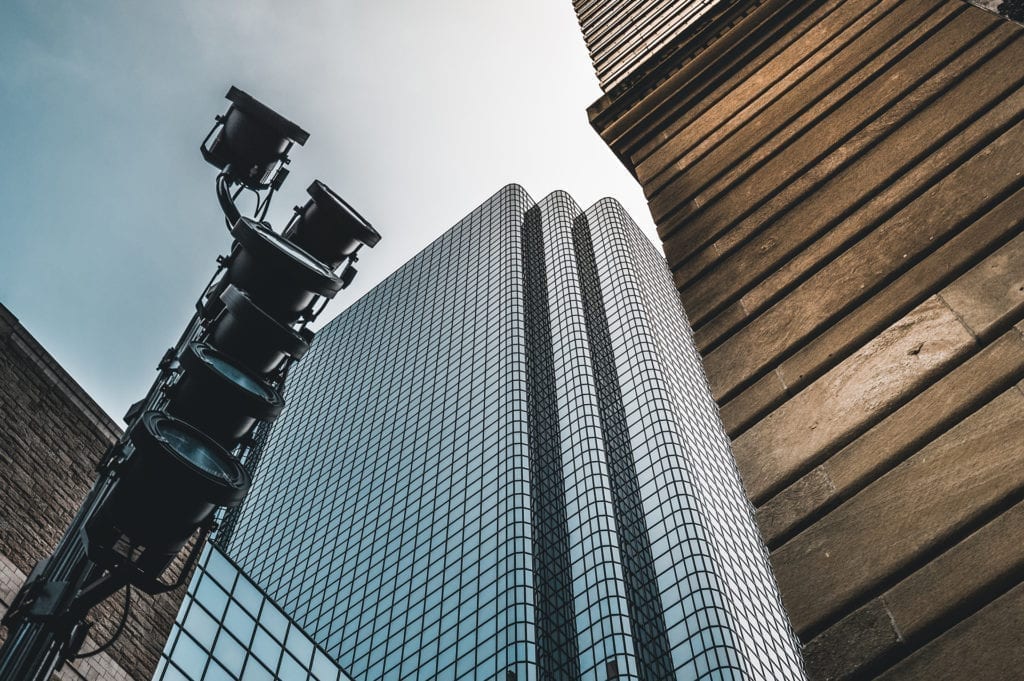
column 51, row 436
column 839, row 186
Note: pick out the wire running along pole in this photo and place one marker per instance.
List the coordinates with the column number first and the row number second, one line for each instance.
column 245, row 320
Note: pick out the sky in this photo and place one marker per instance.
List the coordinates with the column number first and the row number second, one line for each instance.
column 417, row 112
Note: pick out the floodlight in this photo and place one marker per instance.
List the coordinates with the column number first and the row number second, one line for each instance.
column 328, row 227
column 160, row 481
column 167, row 488
column 252, row 337
column 251, row 141
column 219, row 397
column 279, row 277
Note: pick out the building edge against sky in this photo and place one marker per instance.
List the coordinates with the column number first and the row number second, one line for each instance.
column 505, row 460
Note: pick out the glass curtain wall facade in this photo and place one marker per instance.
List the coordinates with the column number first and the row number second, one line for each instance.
column 229, row 629
column 504, row 463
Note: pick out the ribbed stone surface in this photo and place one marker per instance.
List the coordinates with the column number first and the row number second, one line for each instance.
column 819, row 175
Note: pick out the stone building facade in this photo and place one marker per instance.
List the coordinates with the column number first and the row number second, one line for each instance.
column 839, row 187
column 51, row 436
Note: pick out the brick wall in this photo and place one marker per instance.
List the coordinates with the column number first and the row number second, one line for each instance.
column 101, row 666
column 839, row 186
column 51, row 436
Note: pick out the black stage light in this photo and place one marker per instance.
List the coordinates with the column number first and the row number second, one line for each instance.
column 329, row 228
column 252, row 337
column 251, row 140
column 219, row 397
column 167, row 488
column 279, row 277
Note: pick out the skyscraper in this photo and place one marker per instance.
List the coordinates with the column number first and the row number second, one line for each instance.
column 837, row 188
column 504, row 463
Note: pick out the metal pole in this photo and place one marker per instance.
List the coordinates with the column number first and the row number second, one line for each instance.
column 46, row 620
column 41, row 641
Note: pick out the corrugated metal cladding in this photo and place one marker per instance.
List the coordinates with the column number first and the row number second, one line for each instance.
column 839, row 189
column 622, row 35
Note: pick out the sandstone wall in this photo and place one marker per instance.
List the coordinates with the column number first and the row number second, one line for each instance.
column 840, row 191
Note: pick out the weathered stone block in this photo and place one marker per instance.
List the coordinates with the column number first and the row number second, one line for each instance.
column 862, row 635
column 791, row 507
column 988, row 646
column 742, row 411
column 864, row 48
column 885, row 445
column 929, row 601
column 957, row 394
column 849, row 399
column 881, row 155
column 984, row 560
column 746, row 95
column 893, row 525
column 889, row 250
column 991, row 293
column 926, row 277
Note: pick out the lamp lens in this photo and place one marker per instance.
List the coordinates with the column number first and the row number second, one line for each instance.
column 237, row 375
column 196, row 452
column 298, row 254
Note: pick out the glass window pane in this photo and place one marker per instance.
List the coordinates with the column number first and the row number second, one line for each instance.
column 239, row 623
column 274, row 621
column 299, row 645
column 229, row 652
column 189, row 656
column 201, row 626
column 254, row 671
column 291, row 669
column 248, row 595
column 265, row 647
column 213, row 598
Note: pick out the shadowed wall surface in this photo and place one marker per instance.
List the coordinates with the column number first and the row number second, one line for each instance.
column 839, row 189
column 51, row 436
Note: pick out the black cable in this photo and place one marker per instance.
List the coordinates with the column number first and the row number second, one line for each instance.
column 265, row 205
column 117, row 632
column 227, row 201
column 262, row 203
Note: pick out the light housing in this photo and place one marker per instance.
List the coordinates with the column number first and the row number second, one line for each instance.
column 328, row 227
column 251, row 140
column 252, row 337
column 166, row 489
column 280, row 278
column 220, row 397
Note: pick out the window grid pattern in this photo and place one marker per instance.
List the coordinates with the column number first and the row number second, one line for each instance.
column 603, row 626
column 443, row 428
column 668, row 378
column 391, row 513
column 642, row 594
column 557, row 649
column 228, row 629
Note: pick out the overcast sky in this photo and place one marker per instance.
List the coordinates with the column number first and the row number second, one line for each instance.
column 418, row 111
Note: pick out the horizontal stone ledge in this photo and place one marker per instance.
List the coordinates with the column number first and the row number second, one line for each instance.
column 899, row 521
column 905, row 239
column 928, row 602
column 988, row 646
column 970, row 101
column 850, row 398
column 993, row 369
